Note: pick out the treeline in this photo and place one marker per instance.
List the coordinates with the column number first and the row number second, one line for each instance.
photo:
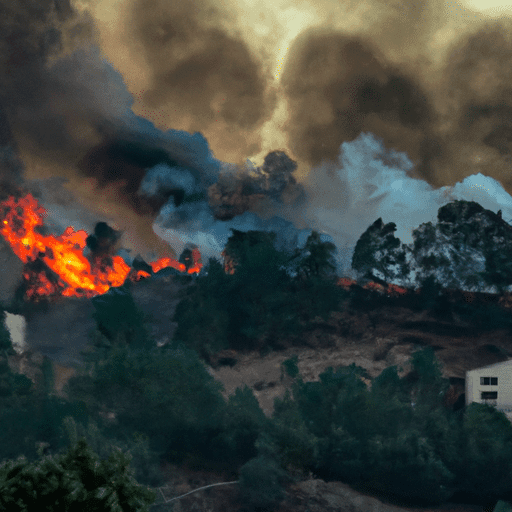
column 264, row 300
column 159, row 404
column 466, row 249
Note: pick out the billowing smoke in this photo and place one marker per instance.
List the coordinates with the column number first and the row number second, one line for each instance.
column 339, row 86
column 152, row 111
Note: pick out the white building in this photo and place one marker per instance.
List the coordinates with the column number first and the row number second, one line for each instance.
column 492, row 385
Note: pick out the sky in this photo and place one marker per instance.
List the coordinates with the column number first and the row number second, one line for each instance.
column 389, row 108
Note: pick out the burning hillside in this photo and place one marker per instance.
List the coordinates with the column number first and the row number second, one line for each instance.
column 56, row 265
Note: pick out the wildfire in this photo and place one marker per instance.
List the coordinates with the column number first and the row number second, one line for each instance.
column 392, row 289
column 63, row 255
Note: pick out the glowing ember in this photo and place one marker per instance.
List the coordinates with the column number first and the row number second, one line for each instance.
column 392, row 289
column 75, row 274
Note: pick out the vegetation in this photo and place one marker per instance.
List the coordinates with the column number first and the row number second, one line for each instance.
column 392, row 434
column 261, row 484
column 75, row 480
column 265, row 301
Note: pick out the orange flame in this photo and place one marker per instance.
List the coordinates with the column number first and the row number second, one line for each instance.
column 392, row 289
column 63, row 255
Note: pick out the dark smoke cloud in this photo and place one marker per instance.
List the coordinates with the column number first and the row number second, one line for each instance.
column 236, row 192
column 66, row 112
column 339, row 86
column 475, row 104
column 103, row 240
column 198, row 70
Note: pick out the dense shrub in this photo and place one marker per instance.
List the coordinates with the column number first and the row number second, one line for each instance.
column 261, row 484
column 407, row 467
column 75, row 480
column 484, row 466
column 119, row 319
column 164, row 393
column 265, row 301
column 287, row 437
column 144, row 462
column 241, row 425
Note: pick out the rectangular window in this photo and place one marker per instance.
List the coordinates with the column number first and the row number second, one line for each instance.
column 486, row 381
column 489, row 395
column 494, row 381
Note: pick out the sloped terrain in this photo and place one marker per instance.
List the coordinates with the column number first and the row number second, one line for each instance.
column 373, row 339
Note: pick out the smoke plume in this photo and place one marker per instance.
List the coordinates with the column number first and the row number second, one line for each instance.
column 183, row 120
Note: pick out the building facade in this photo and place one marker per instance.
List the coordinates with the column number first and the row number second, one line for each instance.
column 491, row 385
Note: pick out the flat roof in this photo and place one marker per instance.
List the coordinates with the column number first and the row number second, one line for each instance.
column 502, row 363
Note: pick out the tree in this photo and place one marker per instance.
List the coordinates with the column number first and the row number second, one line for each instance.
column 165, row 393
column 118, row 317
column 75, row 480
column 484, row 466
column 317, row 257
column 379, row 254
column 261, row 484
column 242, row 422
column 406, row 466
column 288, row 437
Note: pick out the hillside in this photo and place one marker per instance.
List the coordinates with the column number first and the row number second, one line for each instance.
column 386, row 335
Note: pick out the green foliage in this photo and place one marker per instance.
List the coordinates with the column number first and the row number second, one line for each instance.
column 407, row 467
column 484, row 469
column 14, row 387
column 336, row 400
column 5, row 337
column 503, row 506
column 317, row 257
column 290, row 366
column 13, row 439
column 430, row 292
column 388, row 407
column 427, row 385
column 119, row 319
column 316, row 296
column 75, row 480
column 261, row 484
column 164, row 393
column 48, row 376
column 288, row 436
column 260, row 303
column 378, row 249
column 50, row 413
column 144, row 462
column 242, row 422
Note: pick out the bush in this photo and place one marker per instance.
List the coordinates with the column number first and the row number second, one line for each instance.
column 144, row 462
column 288, row 438
column 165, row 393
column 119, row 319
column 261, row 485
column 484, row 468
column 406, row 467
column 75, row 480
column 242, row 422
column 242, row 312
column 290, row 367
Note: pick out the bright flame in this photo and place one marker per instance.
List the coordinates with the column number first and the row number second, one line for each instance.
column 392, row 289
column 63, row 255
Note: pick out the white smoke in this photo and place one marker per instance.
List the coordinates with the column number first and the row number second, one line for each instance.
column 369, row 182
column 17, row 326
